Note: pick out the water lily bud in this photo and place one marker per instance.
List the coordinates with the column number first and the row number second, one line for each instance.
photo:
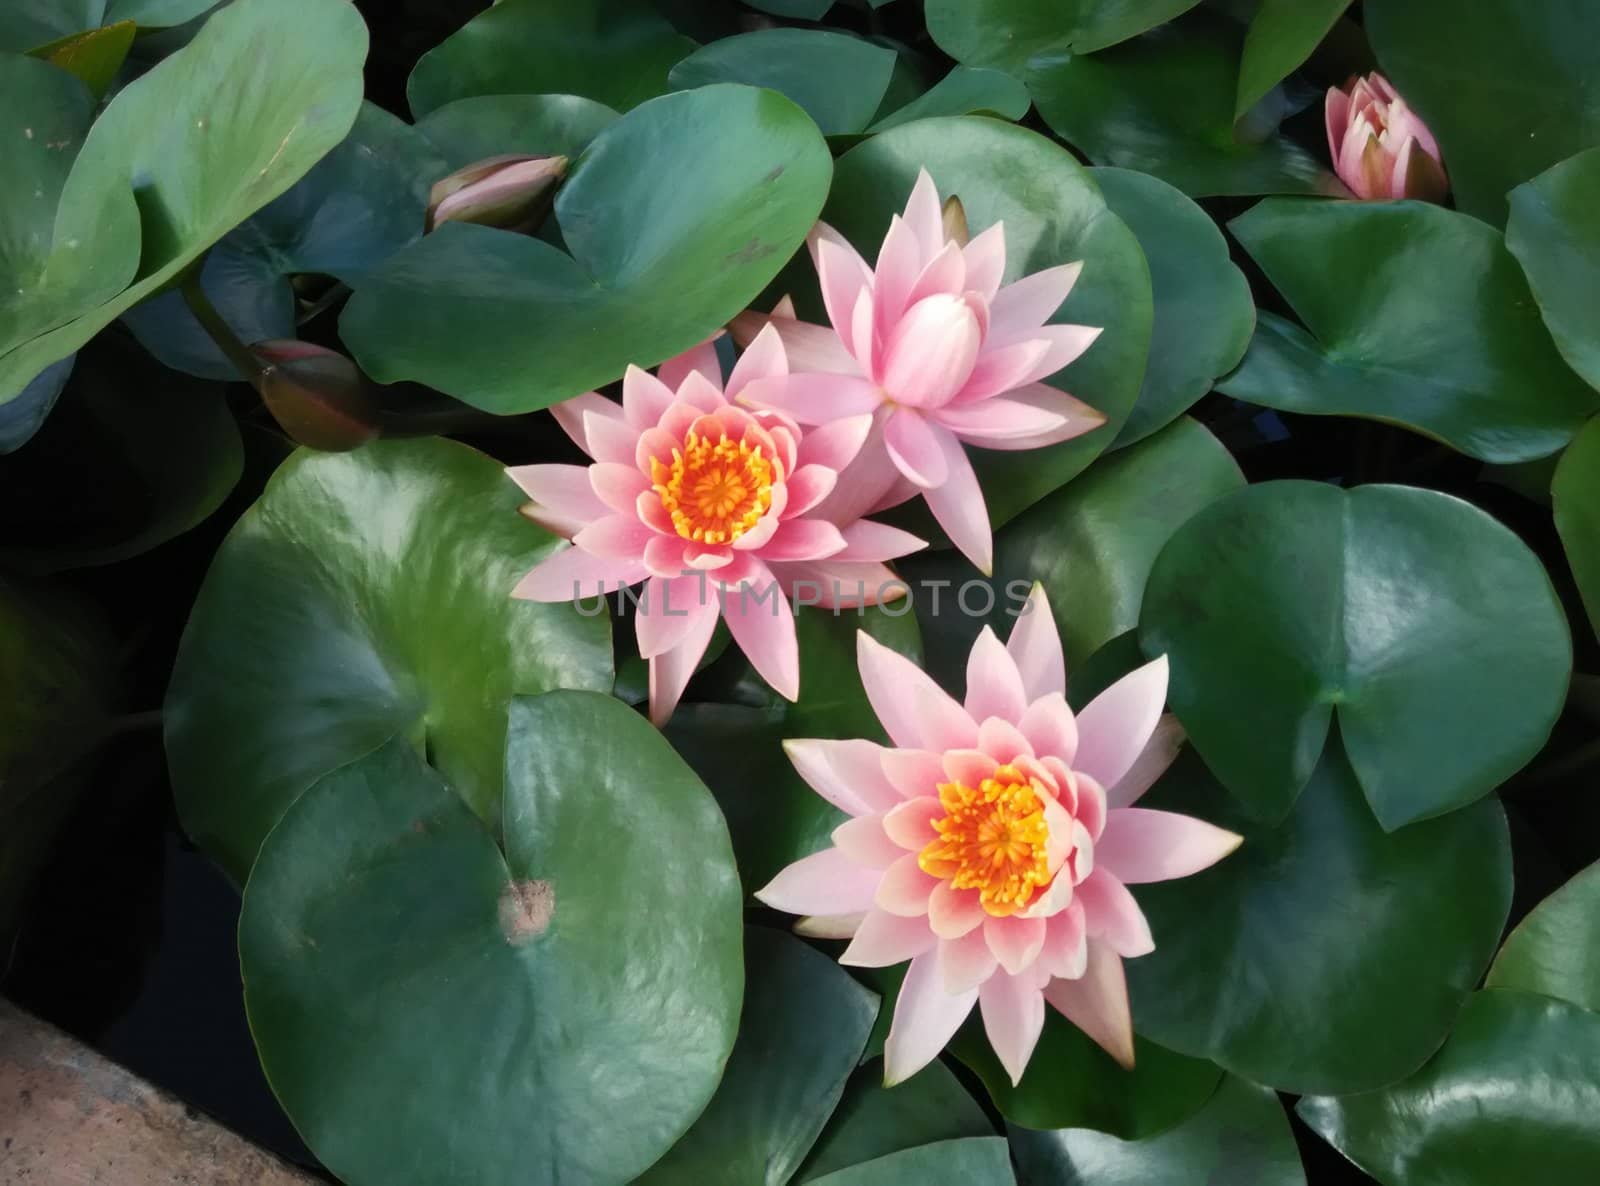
column 317, row 396
column 1380, row 148
column 513, row 193
column 954, row 216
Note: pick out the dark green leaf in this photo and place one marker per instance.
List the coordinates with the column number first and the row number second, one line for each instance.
column 1007, row 33
column 93, row 56
column 366, row 594
column 676, row 217
column 964, row 91
column 1555, row 236
column 1556, row 949
column 1282, row 35
column 1289, row 602
column 474, row 129
column 29, row 24
column 1576, row 494
column 21, row 418
column 974, row 1161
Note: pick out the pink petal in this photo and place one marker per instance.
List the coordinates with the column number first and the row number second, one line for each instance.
column 1336, row 111
column 702, row 358
column 664, row 555
column 645, row 398
column 925, row 1018
column 617, row 486
column 1050, row 727
column 959, row 508
column 700, row 392
column 570, row 414
column 1097, row 1003
column 867, row 540
column 914, row 773
column 904, row 888
column 985, row 258
column 845, row 773
column 829, row 926
column 1158, row 754
column 803, row 539
column 562, row 489
column 835, row 444
column 1067, row 344
column 610, row 439
column 885, row 939
column 914, row 448
column 1091, row 810
column 1013, row 1017
column 1115, row 726
column 864, row 841
column 618, row 537
column 943, row 275
column 574, row 574
column 1016, row 942
column 1018, row 310
column 668, row 613
column 915, row 711
column 994, row 685
column 1035, row 644
column 762, row 359
column 814, row 398
column 1065, row 951
column 865, row 333
column 953, row 912
column 808, row 347
column 1140, row 846
column 969, row 767
column 966, row 962
column 1110, row 913
column 1003, row 741
column 899, row 265
column 910, row 824
column 998, row 371
column 565, row 526
column 808, row 486
column 1045, row 404
column 671, row 671
column 761, row 622
column 826, row 882
column 843, row 276
column 925, row 216
column 931, row 351
column 998, row 420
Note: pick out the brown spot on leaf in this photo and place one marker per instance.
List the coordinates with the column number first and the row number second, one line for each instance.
column 526, row 908
column 751, row 252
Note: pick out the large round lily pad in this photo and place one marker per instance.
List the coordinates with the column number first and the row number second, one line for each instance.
column 1556, row 949
column 366, row 594
column 1430, row 630
column 972, row 1161
column 676, row 217
column 1007, row 33
column 431, row 1007
column 1555, row 236
column 1282, row 35
column 469, row 130
column 1414, row 315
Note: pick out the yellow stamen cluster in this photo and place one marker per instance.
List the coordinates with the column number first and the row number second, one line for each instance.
column 991, row 839
column 714, row 489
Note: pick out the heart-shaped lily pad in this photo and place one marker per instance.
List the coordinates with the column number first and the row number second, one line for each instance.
column 469, row 130
column 1416, row 315
column 1576, row 495
column 972, row 1161
column 676, row 216
column 1556, row 949
column 966, row 90
column 1282, row 35
column 366, row 594
column 432, row 1007
column 1290, row 602
column 1555, row 236
column 1007, row 33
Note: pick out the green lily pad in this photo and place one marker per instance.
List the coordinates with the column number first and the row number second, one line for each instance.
column 264, row 90
column 1241, row 1137
column 1555, row 236
column 1576, row 494
column 964, row 91
column 1204, row 313
column 1512, row 1097
column 489, row 1039
column 836, row 79
column 93, row 56
column 474, row 129
column 166, row 444
column 1506, row 87
column 1417, row 316
column 874, row 1121
column 1282, row 35
column 617, row 52
column 26, row 25
column 366, row 594
column 973, row 1161
column 1325, row 955
column 676, row 217
column 1054, row 214
column 1091, row 543
column 1164, row 104
column 804, row 1023
column 1556, row 949
column 21, row 418
column 1289, row 602
column 361, row 203
column 1008, row 33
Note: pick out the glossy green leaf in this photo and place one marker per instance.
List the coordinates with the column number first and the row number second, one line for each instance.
column 1555, row 236
column 21, row 418
column 1091, row 543
column 1163, row 104
column 1291, row 602
column 264, row 90
column 166, row 444
column 1053, row 214
column 974, row 1161
column 1241, row 1138
column 1325, row 954
column 1576, row 494
column 874, row 1121
column 1204, row 313
column 1008, row 33
column 676, row 217
column 1072, row 1083
column 1512, row 1097
column 1416, row 316
column 1556, row 949
column 1282, row 35
column 806, row 10
column 93, row 56
column 474, row 129
column 361, row 203
column 736, row 747
column 836, row 79
column 803, row 1026
column 616, row 52
column 1453, row 64
column 487, row 1040
column 366, row 594
column 29, row 24
column 964, row 91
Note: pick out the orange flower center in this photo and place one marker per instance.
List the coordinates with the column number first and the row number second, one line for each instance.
column 715, row 490
column 991, row 839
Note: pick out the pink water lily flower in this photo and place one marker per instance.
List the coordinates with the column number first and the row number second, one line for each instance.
column 993, row 843
column 934, row 347
column 1380, row 148
column 710, row 505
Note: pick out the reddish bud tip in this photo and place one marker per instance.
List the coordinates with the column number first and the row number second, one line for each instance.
column 317, row 396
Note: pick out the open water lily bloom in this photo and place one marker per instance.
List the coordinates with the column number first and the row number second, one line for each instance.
column 939, row 352
column 710, row 505
column 993, row 842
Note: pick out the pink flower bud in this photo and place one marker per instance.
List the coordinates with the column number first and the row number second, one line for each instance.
column 317, row 396
column 513, row 193
column 1380, row 148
